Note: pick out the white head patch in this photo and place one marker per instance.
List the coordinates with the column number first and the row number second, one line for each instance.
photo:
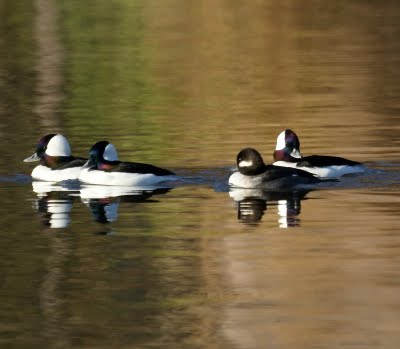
column 110, row 153
column 280, row 141
column 58, row 146
column 244, row 163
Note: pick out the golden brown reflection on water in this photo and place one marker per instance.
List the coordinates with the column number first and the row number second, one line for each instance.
column 320, row 286
column 186, row 85
column 207, row 280
column 324, row 70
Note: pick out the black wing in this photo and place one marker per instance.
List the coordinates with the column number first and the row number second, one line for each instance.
column 70, row 161
column 136, row 167
column 324, row 161
column 278, row 172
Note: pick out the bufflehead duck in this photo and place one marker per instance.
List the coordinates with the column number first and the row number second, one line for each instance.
column 56, row 163
column 253, row 173
column 287, row 153
column 104, row 168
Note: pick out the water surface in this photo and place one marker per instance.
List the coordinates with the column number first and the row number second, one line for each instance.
column 185, row 86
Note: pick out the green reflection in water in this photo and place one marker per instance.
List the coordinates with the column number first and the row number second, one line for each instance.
column 108, row 88
column 17, row 78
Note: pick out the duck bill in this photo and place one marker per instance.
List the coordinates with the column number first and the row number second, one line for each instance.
column 32, row 158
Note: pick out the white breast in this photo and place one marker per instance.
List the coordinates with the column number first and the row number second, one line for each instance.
column 122, row 178
column 44, row 173
column 239, row 180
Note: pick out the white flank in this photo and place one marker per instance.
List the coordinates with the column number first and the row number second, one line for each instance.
column 110, row 153
column 58, row 146
column 245, row 163
column 280, row 141
column 122, row 178
column 44, row 173
column 333, row 171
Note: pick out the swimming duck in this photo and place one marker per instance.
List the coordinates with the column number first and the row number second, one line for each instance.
column 253, row 173
column 287, row 154
column 104, row 168
column 56, row 162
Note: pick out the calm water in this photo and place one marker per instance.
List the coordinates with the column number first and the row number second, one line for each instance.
column 186, row 85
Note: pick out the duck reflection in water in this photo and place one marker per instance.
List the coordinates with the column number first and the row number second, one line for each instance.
column 54, row 203
column 104, row 201
column 251, row 205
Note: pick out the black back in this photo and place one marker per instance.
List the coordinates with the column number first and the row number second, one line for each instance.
column 324, row 161
column 136, row 167
column 65, row 162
